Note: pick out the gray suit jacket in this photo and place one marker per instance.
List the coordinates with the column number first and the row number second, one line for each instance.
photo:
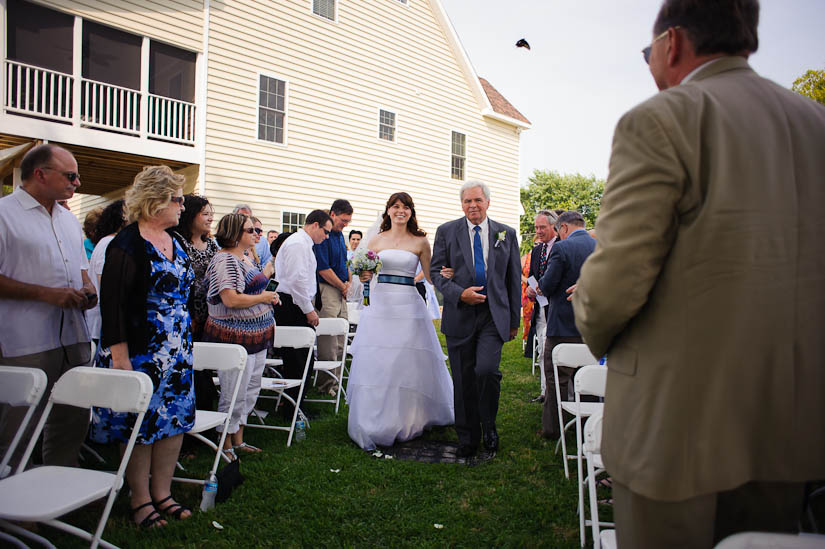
column 707, row 288
column 452, row 249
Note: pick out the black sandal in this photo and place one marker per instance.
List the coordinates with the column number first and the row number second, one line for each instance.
column 168, row 510
column 151, row 520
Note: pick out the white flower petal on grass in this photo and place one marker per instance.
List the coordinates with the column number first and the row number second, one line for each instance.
column 387, row 456
column 438, row 526
column 335, row 470
column 216, row 525
column 377, row 453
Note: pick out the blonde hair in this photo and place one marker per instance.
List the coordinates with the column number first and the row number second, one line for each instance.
column 151, row 192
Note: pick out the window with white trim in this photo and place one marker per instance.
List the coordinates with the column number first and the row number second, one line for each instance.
column 386, row 125
column 271, row 109
column 324, row 8
column 292, row 221
column 459, row 155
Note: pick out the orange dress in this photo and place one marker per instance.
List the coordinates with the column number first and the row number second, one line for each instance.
column 526, row 304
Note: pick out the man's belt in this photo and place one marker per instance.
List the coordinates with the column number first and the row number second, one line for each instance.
column 395, row 279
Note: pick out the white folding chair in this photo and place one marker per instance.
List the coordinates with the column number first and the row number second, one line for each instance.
column 44, row 493
column 296, row 337
column 571, row 355
column 592, row 452
column 538, row 348
column 769, row 540
column 332, row 327
column 221, row 357
column 20, row 387
column 590, row 380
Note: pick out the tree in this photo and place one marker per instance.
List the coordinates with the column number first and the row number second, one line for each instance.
column 553, row 191
column 812, row 85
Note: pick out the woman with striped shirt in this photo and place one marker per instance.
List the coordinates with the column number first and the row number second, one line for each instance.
column 240, row 311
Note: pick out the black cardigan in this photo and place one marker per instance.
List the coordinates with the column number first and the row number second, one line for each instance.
column 124, row 289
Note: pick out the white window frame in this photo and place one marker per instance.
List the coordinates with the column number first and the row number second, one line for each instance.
column 292, row 211
column 258, row 107
column 334, row 9
column 466, row 153
column 394, row 112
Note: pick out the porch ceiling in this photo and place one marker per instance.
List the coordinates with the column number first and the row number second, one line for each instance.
column 101, row 171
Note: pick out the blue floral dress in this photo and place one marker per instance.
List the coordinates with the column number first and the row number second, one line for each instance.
column 166, row 358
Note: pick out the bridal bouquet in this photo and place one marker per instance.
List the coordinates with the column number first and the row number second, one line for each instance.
column 365, row 261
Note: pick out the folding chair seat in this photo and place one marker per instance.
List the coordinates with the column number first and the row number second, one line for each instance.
column 571, row 355
column 590, row 380
column 44, row 493
column 220, row 357
column 332, row 327
column 20, row 387
column 592, row 450
column 770, row 540
column 295, row 337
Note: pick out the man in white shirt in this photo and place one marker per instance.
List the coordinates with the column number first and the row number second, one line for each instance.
column 295, row 268
column 44, row 288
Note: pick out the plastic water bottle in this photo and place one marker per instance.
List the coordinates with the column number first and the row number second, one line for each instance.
column 300, row 431
column 210, row 490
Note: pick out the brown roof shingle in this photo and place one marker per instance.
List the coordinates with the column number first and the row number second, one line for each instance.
column 499, row 103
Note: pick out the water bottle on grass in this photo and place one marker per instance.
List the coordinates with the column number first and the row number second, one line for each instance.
column 300, row 431
column 210, row 490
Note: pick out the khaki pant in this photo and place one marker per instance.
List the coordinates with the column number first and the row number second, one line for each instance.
column 66, row 426
column 333, row 305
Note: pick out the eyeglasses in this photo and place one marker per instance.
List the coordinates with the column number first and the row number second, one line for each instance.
column 71, row 176
column 177, row 200
column 646, row 51
column 259, row 231
column 250, row 230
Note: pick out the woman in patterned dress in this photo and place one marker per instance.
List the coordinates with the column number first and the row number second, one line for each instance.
column 240, row 312
column 143, row 295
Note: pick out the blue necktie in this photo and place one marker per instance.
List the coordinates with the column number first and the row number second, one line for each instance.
column 478, row 260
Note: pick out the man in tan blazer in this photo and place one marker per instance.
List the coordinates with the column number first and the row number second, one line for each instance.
column 707, row 290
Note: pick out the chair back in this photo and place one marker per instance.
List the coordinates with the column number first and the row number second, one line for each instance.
column 590, row 380
column 593, row 433
column 332, row 327
column 573, row 355
column 296, row 337
column 21, row 386
column 218, row 356
column 120, row 390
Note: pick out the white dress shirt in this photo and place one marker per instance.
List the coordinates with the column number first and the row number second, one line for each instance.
column 95, row 271
column 295, row 270
column 485, row 238
column 43, row 249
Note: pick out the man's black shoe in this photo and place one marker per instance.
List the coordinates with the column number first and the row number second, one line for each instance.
column 491, row 438
column 466, row 450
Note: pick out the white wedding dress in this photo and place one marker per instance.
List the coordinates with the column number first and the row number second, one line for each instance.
column 399, row 384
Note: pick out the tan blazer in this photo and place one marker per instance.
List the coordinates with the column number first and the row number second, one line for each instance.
column 707, row 287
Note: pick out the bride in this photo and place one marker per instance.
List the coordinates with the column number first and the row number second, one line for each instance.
column 399, row 384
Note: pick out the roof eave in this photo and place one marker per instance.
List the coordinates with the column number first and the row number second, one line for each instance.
column 490, row 113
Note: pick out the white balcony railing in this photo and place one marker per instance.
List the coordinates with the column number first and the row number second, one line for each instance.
column 47, row 94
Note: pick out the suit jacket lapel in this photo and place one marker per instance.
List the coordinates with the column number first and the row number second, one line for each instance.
column 492, row 227
column 464, row 244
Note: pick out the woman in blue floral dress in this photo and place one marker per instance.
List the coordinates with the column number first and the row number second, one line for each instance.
column 146, row 327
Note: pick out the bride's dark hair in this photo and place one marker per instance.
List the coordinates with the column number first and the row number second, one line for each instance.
column 412, row 222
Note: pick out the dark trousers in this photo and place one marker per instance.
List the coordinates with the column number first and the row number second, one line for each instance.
column 703, row 521
column 550, row 412
column 289, row 314
column 474, row 361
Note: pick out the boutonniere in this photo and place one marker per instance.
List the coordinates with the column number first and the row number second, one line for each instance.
column 500, row 238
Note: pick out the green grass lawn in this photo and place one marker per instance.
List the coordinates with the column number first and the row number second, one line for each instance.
column 291, row 498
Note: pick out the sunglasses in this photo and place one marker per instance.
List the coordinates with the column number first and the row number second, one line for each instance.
column 250, row 230
column 177, row 200
column 646, row 51
column 259, row 231
column 71, row 176
column 326, row 231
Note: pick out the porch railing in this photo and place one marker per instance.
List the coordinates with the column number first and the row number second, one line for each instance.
column 48, row 94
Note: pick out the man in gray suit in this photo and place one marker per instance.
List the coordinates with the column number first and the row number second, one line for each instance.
column 482, row 307
column 707, row 290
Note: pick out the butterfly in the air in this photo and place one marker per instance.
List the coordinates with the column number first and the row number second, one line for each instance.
column 522, row 43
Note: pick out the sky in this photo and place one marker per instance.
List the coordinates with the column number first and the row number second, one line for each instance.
column 585, row 69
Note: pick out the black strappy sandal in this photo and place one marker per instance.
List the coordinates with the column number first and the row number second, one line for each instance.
column 151, row 520
column 173, row 510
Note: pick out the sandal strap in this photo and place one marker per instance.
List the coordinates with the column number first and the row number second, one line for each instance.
column 247, row 446
column 152, row 518
column 168, row 510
